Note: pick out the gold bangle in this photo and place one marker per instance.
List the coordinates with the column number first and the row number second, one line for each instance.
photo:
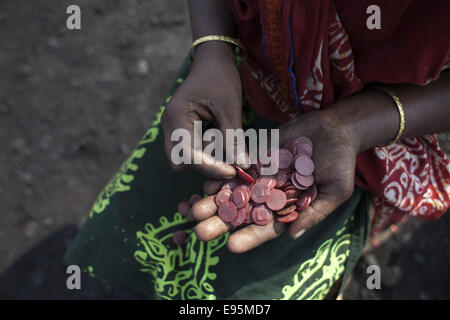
column 236, row 42
column 400, row 112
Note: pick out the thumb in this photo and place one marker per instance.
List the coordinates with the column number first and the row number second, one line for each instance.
column 213, row 169
column 235, row 147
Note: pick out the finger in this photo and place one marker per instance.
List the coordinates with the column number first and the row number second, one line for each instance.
column 213, row 168
column 198, row 160
column 235, row 147
column 209, row 166
column 211, row 228
column 212, row 186
column 204, row 208
column 253, row 236
column 318, row 210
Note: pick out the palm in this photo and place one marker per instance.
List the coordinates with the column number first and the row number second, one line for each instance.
column 334, row 159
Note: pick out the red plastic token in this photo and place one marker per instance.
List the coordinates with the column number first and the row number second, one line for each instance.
column 291, row 201
column 194, row 198
column 304, row 165
column 183, row 208
column 306, row 149
column 291, row 194
column 272, row 161
column 305, row 181
column 248, row 208
column 240, row 218
column 243, row 175
column 227, row 211
column 260, row 192
column 223, row 196
column 312, row 192
column 288, row 218
column 261, row 215
column 179, row 238
column 287, row 210
column 291, row 146
column 296, row 184
column 280, row 178
column 248, row 213
column 303, row 202
column 285, row 158
column 269, row 181
column 288, row 186
column 240, row 196
column 303, row 139
column 277, row 200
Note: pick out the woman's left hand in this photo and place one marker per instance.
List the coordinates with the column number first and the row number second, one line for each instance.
column 334, row 156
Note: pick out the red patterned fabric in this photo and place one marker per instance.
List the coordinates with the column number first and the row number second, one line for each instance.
column 304, row 55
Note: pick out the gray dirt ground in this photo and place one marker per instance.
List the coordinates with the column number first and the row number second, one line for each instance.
column 72, row 106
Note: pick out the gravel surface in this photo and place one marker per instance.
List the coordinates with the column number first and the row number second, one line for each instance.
column 72, row 106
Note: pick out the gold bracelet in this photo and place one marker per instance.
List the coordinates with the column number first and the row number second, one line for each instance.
column 400, row 111
column 236, row 42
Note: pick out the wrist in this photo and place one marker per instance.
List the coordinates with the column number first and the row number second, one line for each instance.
column 343, row 126
column 214, row 50
column 368, row 119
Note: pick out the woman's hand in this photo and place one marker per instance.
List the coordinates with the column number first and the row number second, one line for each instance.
column 334, row 157
column 211, row 92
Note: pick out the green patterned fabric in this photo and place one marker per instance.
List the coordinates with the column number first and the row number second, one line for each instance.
column 128, row 237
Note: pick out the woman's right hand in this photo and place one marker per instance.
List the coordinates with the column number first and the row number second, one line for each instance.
column 211, row 92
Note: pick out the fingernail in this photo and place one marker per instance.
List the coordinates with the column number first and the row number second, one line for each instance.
column 298, row 234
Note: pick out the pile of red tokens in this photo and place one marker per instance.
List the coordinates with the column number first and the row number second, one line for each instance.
column 255, row 198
